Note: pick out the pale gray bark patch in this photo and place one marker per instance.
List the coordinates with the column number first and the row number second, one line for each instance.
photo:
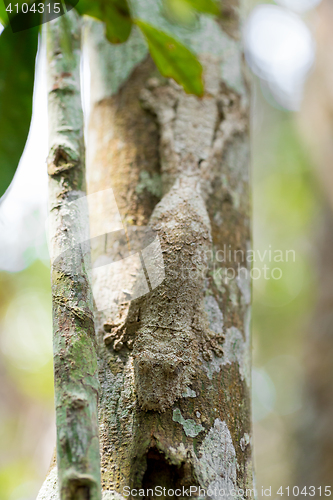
column 112, row 495
column 245, row 440
column 189, row 393
column 244, row 284
column 217, row 465
column 191, row 428
column 215, row 316
column 236, row 348
column 235, row 351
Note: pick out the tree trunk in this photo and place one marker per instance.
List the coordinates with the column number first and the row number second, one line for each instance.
column 171, row 282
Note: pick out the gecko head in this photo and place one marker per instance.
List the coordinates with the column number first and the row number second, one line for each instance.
column 162, row 367
column 165, row 367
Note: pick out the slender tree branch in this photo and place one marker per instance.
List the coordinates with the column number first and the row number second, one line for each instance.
column 75, row 361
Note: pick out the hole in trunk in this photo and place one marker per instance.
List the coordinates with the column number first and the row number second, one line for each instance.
column 81, row 493
column 60, row 158
column 161, row 473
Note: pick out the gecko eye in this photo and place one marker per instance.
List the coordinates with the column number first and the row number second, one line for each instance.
column 144, row 365
column 173, row 366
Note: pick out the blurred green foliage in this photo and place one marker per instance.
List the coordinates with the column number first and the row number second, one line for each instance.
column 26, row 381
column 115, row 13
column 284, row 211
column 286, row 208
column 3, row 14
column 16, row 88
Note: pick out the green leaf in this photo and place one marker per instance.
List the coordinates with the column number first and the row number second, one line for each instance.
column 17, row 72
column 173, row 59
column 3, row 14
column 115, row 13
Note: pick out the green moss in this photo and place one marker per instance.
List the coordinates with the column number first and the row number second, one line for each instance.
column 153, row 184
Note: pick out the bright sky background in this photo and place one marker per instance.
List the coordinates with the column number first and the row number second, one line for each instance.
column 299, row 5
column 279, row 49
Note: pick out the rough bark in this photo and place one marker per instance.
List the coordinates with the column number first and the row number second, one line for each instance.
column 75, row 361
column 174, row 410
column 174, row 362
